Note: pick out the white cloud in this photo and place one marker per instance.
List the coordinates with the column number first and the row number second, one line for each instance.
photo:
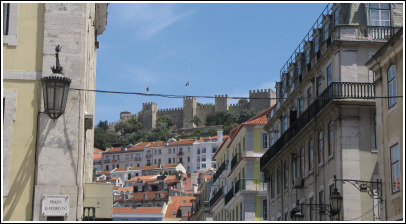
column 146, row 20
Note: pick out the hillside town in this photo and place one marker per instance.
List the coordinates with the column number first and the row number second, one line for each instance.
column 326, row 145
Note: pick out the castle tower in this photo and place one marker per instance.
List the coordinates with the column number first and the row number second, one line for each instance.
column 125, row 115
column 222, row 102
column 261, row 99
column 148, row 115
column 189, row 111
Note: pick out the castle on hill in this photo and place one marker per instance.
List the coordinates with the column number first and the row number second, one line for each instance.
column 182, row 117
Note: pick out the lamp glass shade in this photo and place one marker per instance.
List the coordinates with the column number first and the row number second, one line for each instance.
column 55, row 91
column 336, row 200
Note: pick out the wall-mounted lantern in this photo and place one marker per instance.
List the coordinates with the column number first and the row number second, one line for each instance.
column 55, row 89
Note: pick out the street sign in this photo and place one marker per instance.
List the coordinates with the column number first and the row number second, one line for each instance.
column 55, row 205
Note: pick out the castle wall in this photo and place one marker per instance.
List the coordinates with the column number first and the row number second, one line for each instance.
column 203, row 112
column 175, row 113
column 264, row 100
column 240, row 106
column 148, row 115
column 221, row 102
column 189, row 111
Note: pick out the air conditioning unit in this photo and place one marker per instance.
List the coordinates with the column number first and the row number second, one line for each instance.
column 299, row 182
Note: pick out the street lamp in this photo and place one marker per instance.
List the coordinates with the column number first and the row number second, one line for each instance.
column 55, row 89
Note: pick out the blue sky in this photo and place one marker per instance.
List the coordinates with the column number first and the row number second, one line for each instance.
column 220, row 48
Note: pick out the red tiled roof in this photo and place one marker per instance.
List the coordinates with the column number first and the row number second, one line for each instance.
column 114, row 178
column 207, row 177
column 176, row 203
column 170, row 165
column 144, row 178
column 104, row 172
column 137, row 210
column 137, row 196
column 125, row 189
column 144, row 167
column 156, row 144
column 183, row 142
column 97, row 156
column 187, row 184
column 261, row 120
column 118, row 169
column 171, row 178
column 96, row 150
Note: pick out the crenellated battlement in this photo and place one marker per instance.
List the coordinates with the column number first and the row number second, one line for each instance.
column 221, row 96
column 171, row 109
column 260, row 91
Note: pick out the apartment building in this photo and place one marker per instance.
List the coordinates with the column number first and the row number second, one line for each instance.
column 200, row 205
column 387, row 65
column 324, row 120
column 193, row 154
column 239, row 192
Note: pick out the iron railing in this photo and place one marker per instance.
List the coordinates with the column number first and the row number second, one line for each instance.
column 246, row 185
column 216, row 196
column 235, row 160
column 336, row 90
column 220, row 170
column 229, row 195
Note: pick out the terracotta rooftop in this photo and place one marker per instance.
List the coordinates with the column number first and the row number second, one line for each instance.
column 104, row 172
column 176, row 203
column 138, row 196
column 171, row 178
column 137, row 210
column 144, row 178
column 97, row 156
column 183, row 142
column 118, row 169
column 156, row 144
column 170, row 165
column 96, row 150
column 207, row 177
column 145, row 167
column 260, row 120
column 125, row 189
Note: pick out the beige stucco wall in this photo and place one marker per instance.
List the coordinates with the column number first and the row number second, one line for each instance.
column 21, row 62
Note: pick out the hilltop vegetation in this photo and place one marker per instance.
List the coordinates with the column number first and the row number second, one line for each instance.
column 130, row 131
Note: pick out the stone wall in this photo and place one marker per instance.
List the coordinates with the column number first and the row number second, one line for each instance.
column 175, row 113
column 203, row 111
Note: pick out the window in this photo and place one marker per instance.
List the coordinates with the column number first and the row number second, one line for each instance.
column 203, row 165
column 180, row 160
column 329, row 75
column 326, row 29
column 6, row 12
column 272, row 185
column 148, row 163
column 319, row 87
column 198, row 150
column 279, row 181
column 379, row 14
column 310, row 155
column 154, row 161
column 308, row 55
column 300, row 105
column 286, row 175
column 127, row 156
column 265, row 209
column 321, row 201
column 173, row 160
column 188, row 159
column 278, row 130
column 321, row 149
column 299, row 68
column 316, row 43
column 392, row 85
column 169, row 151
column 155, row 152
column 188, row 149
column 293, row 170
column 395, row 165
column 336, row 17
column 264, row 140
column 302, row 162
column 204, row 150
column 203, row 159
column 309, row 96
column 330, row 138
column 169, row 161
column 159, row 151
column 285, row 123
column 271, row 138
column 159, row 160
column 311, row 216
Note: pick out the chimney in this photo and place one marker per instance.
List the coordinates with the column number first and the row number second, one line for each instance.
column 219, row 135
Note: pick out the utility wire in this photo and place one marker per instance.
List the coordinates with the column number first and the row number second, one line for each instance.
column 230, row 97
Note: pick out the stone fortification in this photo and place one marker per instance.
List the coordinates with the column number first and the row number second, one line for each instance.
column 182, row 117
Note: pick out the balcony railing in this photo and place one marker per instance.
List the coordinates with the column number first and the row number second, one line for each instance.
column 180, row 153
column 107, row 161
column 336, row 90
column 220, row 170
column 246, row 185
column 229, row 196
column 216, row 197
column 235, row 160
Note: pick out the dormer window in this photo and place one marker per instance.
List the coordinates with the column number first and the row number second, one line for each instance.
column 316, row 43
column 326, row 30
column 336, row 17
column 308, row 55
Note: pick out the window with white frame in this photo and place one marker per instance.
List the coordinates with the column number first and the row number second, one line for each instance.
column 392, row 86
column 307, row 55
column 302, row 162
column 395, row 167
column 278, row 130
column 379, row 14
column 264, row 140
column 326, row 30
column 271, row 136
column 316, row 43
column 301, row 105
column 319, row 86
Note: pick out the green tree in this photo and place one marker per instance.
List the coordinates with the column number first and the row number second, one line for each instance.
column 103, row 125
column 243, row 101
column 165, row 120
column 128, row 126
column 246, row 115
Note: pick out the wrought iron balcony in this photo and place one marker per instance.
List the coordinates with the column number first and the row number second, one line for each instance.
column 180, row 153
column 246, row 185
column 336, row 90
column 220, row 170
column 216, row 197
column 235, row 160
column 229, row 196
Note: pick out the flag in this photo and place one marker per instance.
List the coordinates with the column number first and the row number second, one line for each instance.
column 187, row 84
column 147, row 89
